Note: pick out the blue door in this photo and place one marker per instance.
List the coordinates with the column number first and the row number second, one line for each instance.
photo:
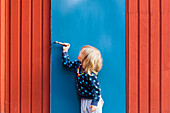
column 100, row 23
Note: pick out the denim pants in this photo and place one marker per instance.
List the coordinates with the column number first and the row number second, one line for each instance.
column 85, row 104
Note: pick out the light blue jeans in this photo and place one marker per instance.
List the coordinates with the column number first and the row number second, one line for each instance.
column 85, row 104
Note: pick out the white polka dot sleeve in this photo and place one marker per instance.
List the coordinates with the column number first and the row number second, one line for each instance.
column 66, row 62
column 95, row 89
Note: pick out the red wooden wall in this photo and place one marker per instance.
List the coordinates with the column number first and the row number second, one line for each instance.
column 25, row 56
column 148, row 56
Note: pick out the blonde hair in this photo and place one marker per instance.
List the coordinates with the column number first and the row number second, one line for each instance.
column 91, row 59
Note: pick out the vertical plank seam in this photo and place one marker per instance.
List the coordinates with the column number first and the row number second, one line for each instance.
column 31, row 57
column 5, row 58
column 19, row 60
column 149, row 52
column 42, row 55
column 31, row 62
column 9, row 54
column 50, row 29
column 160, row 53
column 20, row 48
column 5, row 95
column 148, row 57
column 49, row 52
column 138, row 56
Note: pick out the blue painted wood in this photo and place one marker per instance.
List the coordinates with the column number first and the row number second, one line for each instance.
column 100, row 23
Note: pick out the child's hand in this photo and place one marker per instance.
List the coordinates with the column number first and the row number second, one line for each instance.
column 65, row 48
column 93, row 108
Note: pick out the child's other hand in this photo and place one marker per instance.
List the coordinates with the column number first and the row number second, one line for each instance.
column 93, row 108
column 65, row 48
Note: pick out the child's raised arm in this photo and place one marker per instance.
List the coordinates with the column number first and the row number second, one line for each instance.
column 66, row 62
column 65, row 58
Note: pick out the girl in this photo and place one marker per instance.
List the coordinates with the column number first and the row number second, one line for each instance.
column 88, row 65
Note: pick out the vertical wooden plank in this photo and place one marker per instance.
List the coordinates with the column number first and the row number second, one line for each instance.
column 133, row 56
column 144, row 56
column 7, row 57
column 26, row 57
column 46, row 56
column 154, row 56
column 15, row 57
column 2, row 56
column 37, row 56
column 165, row 56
